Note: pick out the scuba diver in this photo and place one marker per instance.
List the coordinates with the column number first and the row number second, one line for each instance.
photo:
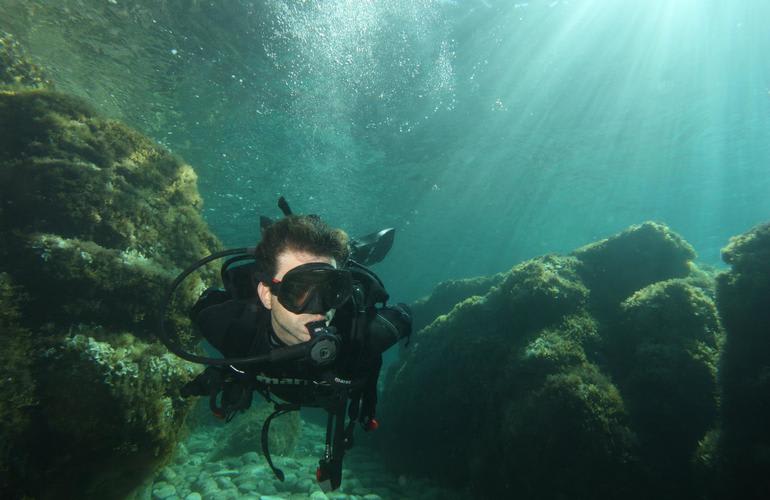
column 302, row 321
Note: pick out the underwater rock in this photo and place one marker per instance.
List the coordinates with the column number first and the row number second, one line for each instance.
column 95, row 221
column 663, row 354
column 539, row 292
column 446, row 295
column 74, row 184
column 112, row 406
column 244, row 433
column 15, row 68
column 533, row 390
column 451, row 397
column 553, row 436
column 743, row 300
column 18, row 390
column 616, row 267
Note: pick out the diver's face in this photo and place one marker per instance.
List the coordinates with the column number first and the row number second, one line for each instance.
column 290, row 327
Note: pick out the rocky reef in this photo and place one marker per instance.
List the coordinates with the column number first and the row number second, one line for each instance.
column 591, row 375
column 447, row 294
column 15, row 69
column 95, row 221
column 616, row 267
column 739, row 459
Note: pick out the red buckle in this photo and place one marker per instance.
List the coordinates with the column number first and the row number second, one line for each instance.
column 319, row 475
column 372, row 425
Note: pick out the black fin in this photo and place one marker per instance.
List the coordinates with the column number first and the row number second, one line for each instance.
column 265, row 222
column 284, row 206
column 372, row 248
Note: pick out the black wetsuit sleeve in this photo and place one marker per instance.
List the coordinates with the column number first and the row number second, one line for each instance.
column 391, row 324
column 369, row 390
column 231, row 326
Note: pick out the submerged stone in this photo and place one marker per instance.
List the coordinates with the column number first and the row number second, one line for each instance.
column 743, row 299
column 448, row 402
column 163, row 490
column 616, row 267
column 663, row 355
column 446, row 295
column 554, row 383
column 15, row 69
column 245, row 435
column 95, row 221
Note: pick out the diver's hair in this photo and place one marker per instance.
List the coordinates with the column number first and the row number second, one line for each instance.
column 303, row 233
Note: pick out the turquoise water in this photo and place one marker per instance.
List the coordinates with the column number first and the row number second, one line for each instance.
column 486, row 132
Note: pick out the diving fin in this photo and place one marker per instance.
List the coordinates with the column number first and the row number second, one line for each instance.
column 366, row 250
column 265, row 222
column 372, row 248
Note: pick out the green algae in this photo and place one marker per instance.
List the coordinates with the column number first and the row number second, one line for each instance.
column 18, row 391
column 448, row 293
column 545, row 386
column 664, row 355
column 616, row 267
column 95, row 222
column 15, row 68
column 743, row 444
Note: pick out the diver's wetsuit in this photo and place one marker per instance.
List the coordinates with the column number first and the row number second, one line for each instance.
column 242, row 328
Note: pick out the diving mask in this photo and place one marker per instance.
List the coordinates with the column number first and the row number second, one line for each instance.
column 313, row 288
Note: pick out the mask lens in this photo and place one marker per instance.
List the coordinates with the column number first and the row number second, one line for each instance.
column 336, row 290
column 314, row 290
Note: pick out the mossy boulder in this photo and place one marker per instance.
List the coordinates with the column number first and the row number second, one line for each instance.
column 88, row 204
column 18, row 392
column 743, row 299
column 616, row 267
column 446, row 295
column 452, row 399
column 663, row 354
column 15, row 68
column 95, row 221
column 112, row 407
column 591, row 375
column 433, row 396
column 557, row 432
column 530, row 287
column 538, row 292
column 244, row 433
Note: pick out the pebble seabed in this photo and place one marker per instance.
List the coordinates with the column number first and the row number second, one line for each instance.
column 192, row 476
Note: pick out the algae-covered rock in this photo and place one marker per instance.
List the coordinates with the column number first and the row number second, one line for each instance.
column 743, row 299
column 445, row 406
column 663, row 355
column 586, row 376
column 95, row 221
column 244, row 433
column 15, row 69
column 539, row 292
column 749, row 252
column 18, row 390
column 95, row 196
column 446, row 295
column 431, row 406
column 112, row 406
column 616, row 267
column 558, row 434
